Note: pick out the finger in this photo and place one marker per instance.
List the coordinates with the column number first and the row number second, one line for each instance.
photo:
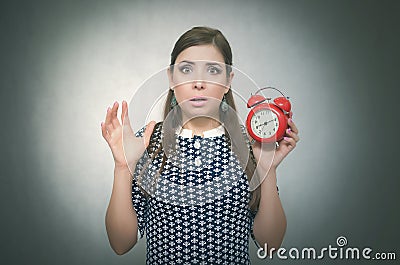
column 108, row 117
column 292, row 134
column 124, row 113
column 125, row 118
column 114, row 118
column 108, row 123
column 104, row 132
column 148, row 131
column 291, row 142
column 293, row 126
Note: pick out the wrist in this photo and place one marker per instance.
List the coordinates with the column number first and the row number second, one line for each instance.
column 121, row 168
column 267, row 176
column 271, row 170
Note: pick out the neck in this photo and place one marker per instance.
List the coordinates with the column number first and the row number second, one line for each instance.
column 200, row 124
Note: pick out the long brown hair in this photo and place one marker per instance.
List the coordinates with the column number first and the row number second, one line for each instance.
column 206, row 36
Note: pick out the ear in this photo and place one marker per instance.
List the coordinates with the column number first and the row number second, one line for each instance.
column 229, row 84
column 169, row 74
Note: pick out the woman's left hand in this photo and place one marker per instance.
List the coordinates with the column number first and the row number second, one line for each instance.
column 264, row 153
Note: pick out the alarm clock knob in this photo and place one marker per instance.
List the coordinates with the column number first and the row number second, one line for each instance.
column 254, row 100
column 283, row 103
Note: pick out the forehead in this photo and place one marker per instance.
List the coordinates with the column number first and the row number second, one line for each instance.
column 201, row 52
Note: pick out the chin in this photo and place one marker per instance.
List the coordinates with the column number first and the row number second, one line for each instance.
column 194, row 112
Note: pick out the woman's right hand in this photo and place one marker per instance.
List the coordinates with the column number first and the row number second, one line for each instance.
column 128, row 149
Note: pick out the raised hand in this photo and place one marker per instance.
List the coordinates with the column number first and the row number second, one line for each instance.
column 125, row 146
column 268, row 156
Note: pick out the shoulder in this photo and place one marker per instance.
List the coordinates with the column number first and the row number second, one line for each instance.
column 157, row 129
column 155, row 138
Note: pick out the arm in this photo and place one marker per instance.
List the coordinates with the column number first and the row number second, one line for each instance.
column 270, row 221
column 121, row 218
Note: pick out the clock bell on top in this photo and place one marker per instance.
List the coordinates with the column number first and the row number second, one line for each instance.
column 267, row 121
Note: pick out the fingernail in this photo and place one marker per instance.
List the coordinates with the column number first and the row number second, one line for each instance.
column 290, row 119
column 288, row 130
column 286, row 138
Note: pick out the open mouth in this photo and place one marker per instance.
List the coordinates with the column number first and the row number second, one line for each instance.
column 198, row 99
column 198, row 102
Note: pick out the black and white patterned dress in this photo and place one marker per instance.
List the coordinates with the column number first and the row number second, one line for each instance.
column 198, row 213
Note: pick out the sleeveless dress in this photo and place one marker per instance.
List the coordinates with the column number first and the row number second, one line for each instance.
column 197, row 213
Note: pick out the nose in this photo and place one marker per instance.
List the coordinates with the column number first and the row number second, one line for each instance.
column 199, row 85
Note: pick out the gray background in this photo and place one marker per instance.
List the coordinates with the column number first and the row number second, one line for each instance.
column 63, row 63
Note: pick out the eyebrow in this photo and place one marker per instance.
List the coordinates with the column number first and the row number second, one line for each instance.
column 193, row 63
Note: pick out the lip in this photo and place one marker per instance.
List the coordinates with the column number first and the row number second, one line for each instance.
column 198, row 98
column 198, row 101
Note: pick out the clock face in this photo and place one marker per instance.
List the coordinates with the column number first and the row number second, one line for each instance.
column 264, row 123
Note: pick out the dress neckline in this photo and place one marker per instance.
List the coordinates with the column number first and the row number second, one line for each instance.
column 187, row 133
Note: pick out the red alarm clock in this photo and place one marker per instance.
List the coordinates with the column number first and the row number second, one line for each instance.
column 267, row 121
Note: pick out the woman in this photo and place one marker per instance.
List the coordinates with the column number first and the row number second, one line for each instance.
column 214, row 231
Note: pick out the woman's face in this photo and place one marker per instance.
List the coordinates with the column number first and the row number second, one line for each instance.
column 199, row 79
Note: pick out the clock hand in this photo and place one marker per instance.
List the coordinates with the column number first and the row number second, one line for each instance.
column 265, row 123
column 262, row 124
column 269, row 121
